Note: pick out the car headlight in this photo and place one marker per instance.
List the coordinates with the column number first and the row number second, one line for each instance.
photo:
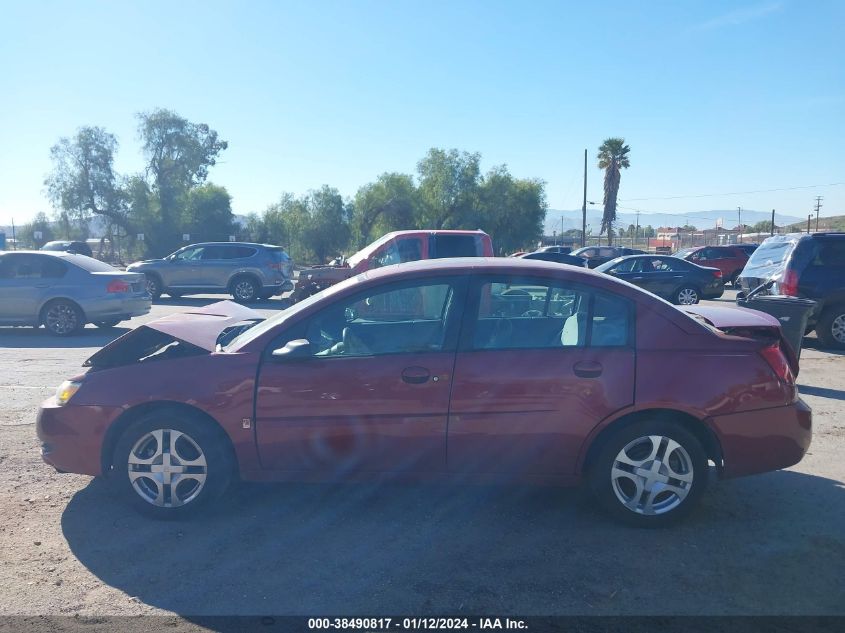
column 66, row 390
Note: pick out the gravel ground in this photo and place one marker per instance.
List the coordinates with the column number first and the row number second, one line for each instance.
column 770, row 544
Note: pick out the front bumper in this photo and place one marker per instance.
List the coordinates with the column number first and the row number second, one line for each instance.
column 763, row 440
column 72, row 436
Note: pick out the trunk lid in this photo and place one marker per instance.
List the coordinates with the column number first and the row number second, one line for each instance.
column 746, row 323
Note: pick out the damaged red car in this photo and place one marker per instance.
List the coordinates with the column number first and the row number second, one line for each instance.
column 496, row 368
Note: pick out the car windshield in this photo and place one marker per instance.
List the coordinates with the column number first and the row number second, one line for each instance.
column 684, row 252
column 367, row 251
column 608, row 265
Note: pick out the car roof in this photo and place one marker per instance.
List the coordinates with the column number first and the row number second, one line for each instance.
column 474, row 265
column 255, row 244
column 434, row 232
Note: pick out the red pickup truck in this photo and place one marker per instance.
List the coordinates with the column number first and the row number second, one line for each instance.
column 394, row 248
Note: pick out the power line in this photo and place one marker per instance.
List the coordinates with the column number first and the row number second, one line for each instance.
column 734, row 193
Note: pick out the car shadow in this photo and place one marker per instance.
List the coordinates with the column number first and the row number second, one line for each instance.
column 813, row 343
column 822, row 392
column 767, row 544
column 40, row 338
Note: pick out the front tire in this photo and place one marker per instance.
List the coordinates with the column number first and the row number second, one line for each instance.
column 649, row 474
column 686, row 296
column 831, row 327
column 170, row 465
column 62, row 317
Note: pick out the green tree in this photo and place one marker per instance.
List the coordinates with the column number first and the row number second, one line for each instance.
column 178, row 154
column 612, row 157
column 208, row 214
column 448, row 185
column 83, row 182
column 511, row 210
column 391, row 203
column 327, row 229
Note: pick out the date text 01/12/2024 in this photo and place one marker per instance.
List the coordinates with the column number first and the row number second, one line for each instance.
column 387, row 624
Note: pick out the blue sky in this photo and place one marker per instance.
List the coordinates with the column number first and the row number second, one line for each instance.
column 713, row 97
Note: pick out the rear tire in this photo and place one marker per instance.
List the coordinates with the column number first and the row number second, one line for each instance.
column 649, row 473
column 62, row 317
column 107, row 324
column 686, row 296
column 169, row 464
column 244, row 289
column 831, row 327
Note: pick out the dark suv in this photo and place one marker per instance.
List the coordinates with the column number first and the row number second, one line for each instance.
column 805, row 265
column 246, row 271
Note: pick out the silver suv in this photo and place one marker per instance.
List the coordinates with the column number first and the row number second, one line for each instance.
column 246, row 271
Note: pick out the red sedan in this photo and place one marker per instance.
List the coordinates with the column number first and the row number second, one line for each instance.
column 505, row 368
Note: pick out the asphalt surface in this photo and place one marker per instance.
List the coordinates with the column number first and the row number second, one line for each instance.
column 769, row 544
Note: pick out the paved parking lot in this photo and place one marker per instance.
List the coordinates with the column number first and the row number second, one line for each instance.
column 772, row 544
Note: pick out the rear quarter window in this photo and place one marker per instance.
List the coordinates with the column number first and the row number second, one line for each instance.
column 242, row 252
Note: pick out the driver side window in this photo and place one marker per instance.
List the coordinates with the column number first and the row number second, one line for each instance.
column 401, row 320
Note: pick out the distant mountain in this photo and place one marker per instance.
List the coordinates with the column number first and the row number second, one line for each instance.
column 698, row 219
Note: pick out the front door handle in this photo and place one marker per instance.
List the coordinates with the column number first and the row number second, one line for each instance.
column 415, row 375
column 587, row 369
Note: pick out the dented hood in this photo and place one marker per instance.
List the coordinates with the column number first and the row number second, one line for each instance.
column 199, row 327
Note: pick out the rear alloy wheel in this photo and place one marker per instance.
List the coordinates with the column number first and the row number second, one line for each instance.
column 63, row 318
column 244, row 290
column 686, row 296
column 170, row 466
column 153, row 284
column 650, row 473
column 831, row 327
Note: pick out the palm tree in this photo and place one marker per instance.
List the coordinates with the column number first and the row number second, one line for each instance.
column 613, row 156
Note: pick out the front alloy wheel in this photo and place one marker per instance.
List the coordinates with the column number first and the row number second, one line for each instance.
column 167, row 468
column 244, row 290
column 831, row 327
column 170, row 463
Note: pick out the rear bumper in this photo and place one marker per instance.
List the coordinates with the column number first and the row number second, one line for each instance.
column 117, row 307
column 763, row 440
column 72, row 436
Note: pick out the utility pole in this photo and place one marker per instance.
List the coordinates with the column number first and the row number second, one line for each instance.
column 637, row 230
column 14, row 239
column 584, row 207
column 809, row 217
column 772, row 232
column 818, row 207
column 739, row 213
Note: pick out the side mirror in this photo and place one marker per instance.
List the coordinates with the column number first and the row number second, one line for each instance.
column 297, row 348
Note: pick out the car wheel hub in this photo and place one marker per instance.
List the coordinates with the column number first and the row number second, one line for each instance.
column 152, row 286
column 837, row 328
column 244, row 290
column 61, row 318
column 167, row 468
column 687, row 297
column 652, row 475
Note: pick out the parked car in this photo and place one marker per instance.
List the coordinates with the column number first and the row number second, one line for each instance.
column 748, row 248
column 63, row 292
column 811, row 266
column 76, row 247
column 245, row 270
column 729, row 259
column 598, row 255
column 555, row 249
column 529, row 370
column 394, row 248
column 674, row 279
column 553, row 256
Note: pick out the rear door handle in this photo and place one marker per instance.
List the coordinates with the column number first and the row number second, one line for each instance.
column 415, row 375
column 587, row 369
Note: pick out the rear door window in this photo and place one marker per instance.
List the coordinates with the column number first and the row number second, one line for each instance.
column 456, row 246
column 32, row 267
